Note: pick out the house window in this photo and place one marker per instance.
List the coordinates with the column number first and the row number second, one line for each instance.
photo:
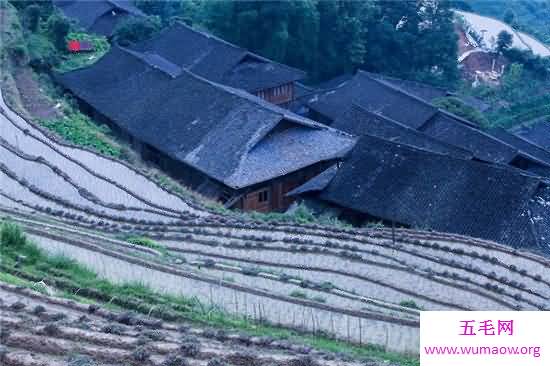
column 263, row 196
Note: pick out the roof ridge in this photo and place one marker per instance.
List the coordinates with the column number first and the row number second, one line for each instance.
column 227, row 43
column 395, row 87
column 208, row 35
column 410, row 95
column 234, row 91
column 413, row 131
column 142, row 57
column 408, row 128
column 373, row 74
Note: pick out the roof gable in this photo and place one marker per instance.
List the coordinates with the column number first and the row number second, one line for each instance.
column 445, row 127
column 359, row 122
column 536, row 131
column 374, row 95
column 523, row 145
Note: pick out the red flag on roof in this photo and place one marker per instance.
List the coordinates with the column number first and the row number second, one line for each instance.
column 79, row 46
column 73, row 45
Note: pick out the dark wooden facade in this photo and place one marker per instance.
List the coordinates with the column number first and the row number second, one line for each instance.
column 271, row 195
column 282, row 94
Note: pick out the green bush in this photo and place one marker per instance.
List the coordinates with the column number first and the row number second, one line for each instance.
column 32, row 17
column 320, row 299
column 42, row 53
column 144, row 242
column 298, row 294
column 17, row 52
column 12, row 236
column 457, row 107
column 135, row 29
column 410, row 304
column 76, row 60
column 58, row 27
column 77, row 128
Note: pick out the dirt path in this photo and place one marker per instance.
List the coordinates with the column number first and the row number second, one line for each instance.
column 32, row 97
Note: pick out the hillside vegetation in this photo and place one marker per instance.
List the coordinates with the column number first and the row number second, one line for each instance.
column 530, row 16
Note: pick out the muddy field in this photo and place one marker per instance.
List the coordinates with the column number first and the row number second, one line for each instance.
column 41, row 330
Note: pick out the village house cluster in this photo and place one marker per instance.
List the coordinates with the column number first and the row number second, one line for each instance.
column 242, row 129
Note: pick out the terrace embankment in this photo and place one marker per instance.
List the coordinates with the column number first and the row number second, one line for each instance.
column 360, row 285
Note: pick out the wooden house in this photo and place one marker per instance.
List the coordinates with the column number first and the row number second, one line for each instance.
column 221, row 141
column 219, row 61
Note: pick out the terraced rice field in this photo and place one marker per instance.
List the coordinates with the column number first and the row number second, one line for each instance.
column 361, row 285
column 42, row 330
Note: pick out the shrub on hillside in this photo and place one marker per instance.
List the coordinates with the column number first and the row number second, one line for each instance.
column 135, row 29
column 42, row 53
column 32, row 17
column 79, row 129
column 457, row 107
column 12, row 235
column 58, row 27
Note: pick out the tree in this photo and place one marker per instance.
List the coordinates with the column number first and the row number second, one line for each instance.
column 136, row 29
column 414, row 40
column 511, row 81
column 32, row 17
column 58, row 27
column 406, row 38
column 342, row 37
column 286, row 31
column 504, row 41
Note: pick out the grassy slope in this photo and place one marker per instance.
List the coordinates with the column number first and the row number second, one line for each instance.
column 69, row 277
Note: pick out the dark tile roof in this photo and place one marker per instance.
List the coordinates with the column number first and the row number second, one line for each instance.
column 302, row 90
column 423, row 91
column 423, row 189
column 536, row 131
column 522, row 144
column 334, row 82
column 217, row 60
column 374, row 95
column 226, row 133
column 317, row 183
column 445, row 127
column 359, row 122
column 99, row 16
